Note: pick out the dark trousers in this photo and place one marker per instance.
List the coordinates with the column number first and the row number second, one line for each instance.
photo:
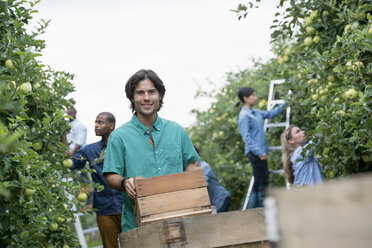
column 260, row 173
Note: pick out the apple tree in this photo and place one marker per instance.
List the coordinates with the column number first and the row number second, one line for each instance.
column 35, row 210
column 324, row 50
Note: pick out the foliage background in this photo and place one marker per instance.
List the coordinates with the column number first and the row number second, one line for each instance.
column 324, row 52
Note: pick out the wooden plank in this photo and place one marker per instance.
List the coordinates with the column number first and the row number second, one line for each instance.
column 224, row 229
column 230, row 229
column 335, row 214
column 161, row 203
column 149, row 236
column 175, row 214
column 168, row 183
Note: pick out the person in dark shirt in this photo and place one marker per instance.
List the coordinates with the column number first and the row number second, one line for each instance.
column 108, row 202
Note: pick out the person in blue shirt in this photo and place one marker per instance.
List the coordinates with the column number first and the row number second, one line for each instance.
column 108, row 202
column 251, row 122
column 299, row 170
column 219, row 196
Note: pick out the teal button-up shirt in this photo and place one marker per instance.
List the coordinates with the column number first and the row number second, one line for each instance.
column 129, row 153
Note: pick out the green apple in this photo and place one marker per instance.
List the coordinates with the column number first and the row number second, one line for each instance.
column 60, row 220
column 287, row 51
column 314, row 97
column 351, row 94
column 310, row 30
column 65, row 246
column 67, row 163
column 357, row 64
column 9, row 64
column 369, row 33
column 285, row 58
column 331, row 78
column 336, row 100
column 313, row 14
column 36, row 85
column 316, row 39
column 308, row 20
column 349, row 65
column 330, row 174
column 53, row 226
column 308, row 41
column 26, row 87
column 37, row 146
column 82, row 197
column 341, row 112
column 29, row 192
column 366, row 158
column 262, row 103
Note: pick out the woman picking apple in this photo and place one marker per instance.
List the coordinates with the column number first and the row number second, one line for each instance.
column 298, row 170
column 256, row 148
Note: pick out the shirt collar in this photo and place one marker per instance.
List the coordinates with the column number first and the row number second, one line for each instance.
column 247, row 109
column 156, row 126
column 101, row 144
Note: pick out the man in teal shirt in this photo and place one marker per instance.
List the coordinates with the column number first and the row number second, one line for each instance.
column 147, row 145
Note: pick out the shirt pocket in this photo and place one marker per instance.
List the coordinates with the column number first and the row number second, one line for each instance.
column 171, row 155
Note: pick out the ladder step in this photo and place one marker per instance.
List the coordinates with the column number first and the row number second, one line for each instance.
column 279, row 81
column 275, row 148
column 279, row 124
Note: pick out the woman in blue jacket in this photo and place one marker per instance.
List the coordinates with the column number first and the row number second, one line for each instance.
column 251, row 122
column 298, row 169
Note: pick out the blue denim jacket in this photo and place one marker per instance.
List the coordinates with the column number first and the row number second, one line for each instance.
column 108, row 201
column 217, row 193
column 251, row 129
column 306, row 171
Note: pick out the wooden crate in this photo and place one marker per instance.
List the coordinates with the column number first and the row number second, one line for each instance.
column 332, row 215
column 231, row 229
column 171, row 196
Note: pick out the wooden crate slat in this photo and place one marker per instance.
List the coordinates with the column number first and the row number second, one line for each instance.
column 169, row 183
column 176, row 214
column 172, row 201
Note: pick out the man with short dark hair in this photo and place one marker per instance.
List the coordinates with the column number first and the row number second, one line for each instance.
column 147, row 145
column 109, row 202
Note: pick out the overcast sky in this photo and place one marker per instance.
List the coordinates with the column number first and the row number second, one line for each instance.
column 186, row 42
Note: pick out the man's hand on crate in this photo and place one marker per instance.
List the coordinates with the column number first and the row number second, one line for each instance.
column 130, row 188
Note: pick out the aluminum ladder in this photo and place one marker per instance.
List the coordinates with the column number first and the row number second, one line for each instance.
column 271, row 103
